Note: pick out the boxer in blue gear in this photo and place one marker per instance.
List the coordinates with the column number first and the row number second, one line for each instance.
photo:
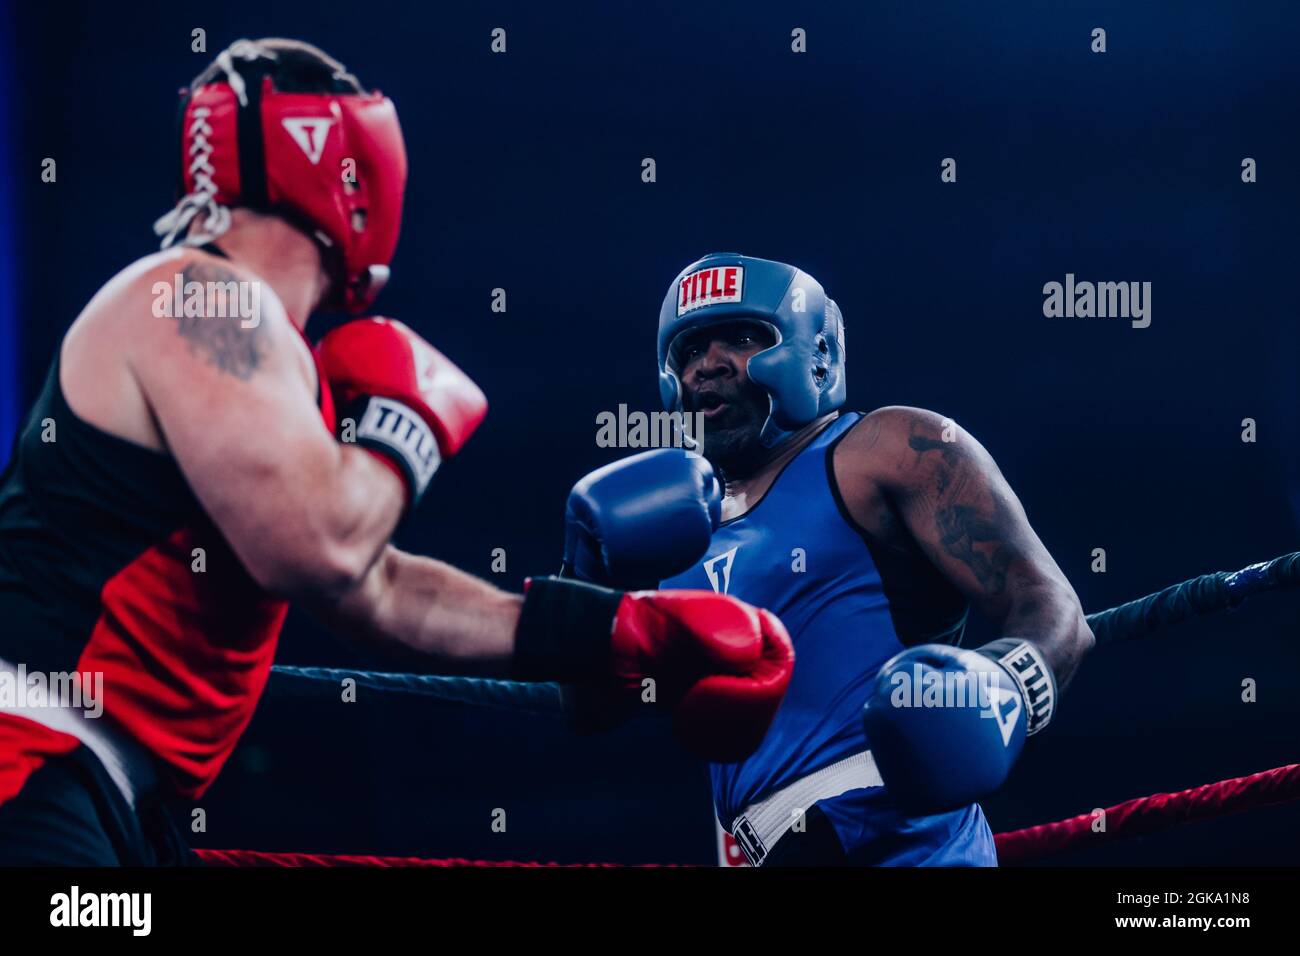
column 869, row 535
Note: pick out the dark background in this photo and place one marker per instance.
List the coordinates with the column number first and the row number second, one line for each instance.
column 525, row 175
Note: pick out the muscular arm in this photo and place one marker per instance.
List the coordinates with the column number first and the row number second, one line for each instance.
column 236, row 408
column 419, row 604
column 234, row 403
column 955, row 503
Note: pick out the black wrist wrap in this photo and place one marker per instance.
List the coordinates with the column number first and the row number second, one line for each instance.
column 564, row 631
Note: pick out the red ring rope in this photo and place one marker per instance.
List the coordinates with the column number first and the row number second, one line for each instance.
column 1130, row 818
column 1156, row 812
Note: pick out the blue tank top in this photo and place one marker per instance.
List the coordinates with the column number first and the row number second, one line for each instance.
column 796, row 553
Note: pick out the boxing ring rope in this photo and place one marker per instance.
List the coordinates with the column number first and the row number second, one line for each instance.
column 1195, row 597
column 258, row 858
column 1159, row 811
column 1206, row 594
column 1137, row 817
column 529, row 698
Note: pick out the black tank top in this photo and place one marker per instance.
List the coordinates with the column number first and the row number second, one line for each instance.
column 109, row 565
column 76, row 506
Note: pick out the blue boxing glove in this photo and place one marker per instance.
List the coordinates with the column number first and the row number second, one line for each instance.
column 947, row 724
column 641, row 519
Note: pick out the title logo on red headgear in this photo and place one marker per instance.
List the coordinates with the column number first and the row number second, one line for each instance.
column 712, row 286
column 310, row 133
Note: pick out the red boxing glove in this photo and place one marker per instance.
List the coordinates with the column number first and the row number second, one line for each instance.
column 722, row 665
column 411, row 406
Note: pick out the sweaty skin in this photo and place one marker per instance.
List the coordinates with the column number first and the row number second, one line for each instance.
column 911, row 478
column 234, row 403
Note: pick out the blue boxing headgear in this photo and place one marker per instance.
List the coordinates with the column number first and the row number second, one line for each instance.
column 803, row 373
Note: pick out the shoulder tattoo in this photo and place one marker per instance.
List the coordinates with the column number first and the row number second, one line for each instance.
column 219, row 329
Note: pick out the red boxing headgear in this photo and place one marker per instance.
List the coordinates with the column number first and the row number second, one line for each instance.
column 333, row 163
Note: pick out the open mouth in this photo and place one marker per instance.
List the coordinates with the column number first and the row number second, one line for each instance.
column 711, row 404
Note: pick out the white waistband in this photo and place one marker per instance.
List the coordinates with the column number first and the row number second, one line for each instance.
column 764, row 822
column 128, row 764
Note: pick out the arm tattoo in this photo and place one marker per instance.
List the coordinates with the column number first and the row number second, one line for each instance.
column 219, row 333
column 969, row 530
column 961, row 529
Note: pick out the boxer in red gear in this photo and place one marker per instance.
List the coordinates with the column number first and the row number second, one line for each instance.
column 187, row 470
